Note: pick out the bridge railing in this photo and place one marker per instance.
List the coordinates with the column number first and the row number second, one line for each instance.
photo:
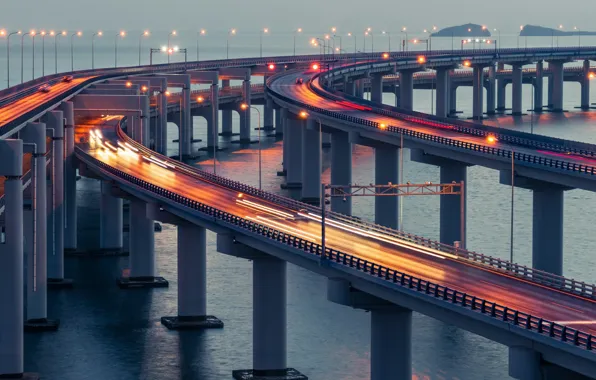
column 386, row 276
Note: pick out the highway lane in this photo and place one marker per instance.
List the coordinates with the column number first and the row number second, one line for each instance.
column 418, row 261
column 286, row 86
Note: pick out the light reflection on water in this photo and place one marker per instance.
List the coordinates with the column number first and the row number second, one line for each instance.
column 107, row 333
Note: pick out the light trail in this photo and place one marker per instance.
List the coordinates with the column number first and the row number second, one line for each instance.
column 263, row 208
column 284, row 228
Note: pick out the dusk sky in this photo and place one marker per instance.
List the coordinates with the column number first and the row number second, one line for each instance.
column 282, row 15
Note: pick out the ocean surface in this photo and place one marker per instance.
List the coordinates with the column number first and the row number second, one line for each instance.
column 108, row 333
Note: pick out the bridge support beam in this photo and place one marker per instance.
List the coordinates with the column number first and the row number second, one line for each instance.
column 226, row 115
column 397, row 93
column 501, row 88
column 279, row 129
column 55, row 121
column 192, row 281
column 453, row 99
column 376, row 88
column 391, row 330
column 111, row 219
column 268, row 115
column 245, row 116
column 556, row 68
column 359, row 91
column 524, row 363
column 406, row 89
column 142, row 250
column 349, row 87
column 36, row 219
column 539, row 87
column 70, row 179
column 311, row 163
column 213, row 119
column 585, row 87
column 269, row 323
column 490, row 91
column 293, row 158
column 516, row 89
column 478, row 92
column 386, row 171
column 341, row 169
column 11, row 263
column 442, row 92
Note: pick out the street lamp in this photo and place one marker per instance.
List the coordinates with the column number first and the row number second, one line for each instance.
column 4, row 33
column 145, row 34
column 122, row 34
column 372, row 39
column 405, row 43
column 172, row 33
column 22, row 50
column 299, row 30
column 231, row 32
column 78, row 34
column 245, row 107
column 263, row 31
column 353, row 35
column 43, row 50
column 389, row 37
column 202, row 32
column 56, row 49
column 33, row 35
column 99, row 33
column 579, row 36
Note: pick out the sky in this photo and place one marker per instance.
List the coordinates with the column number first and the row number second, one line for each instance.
column 284, row 16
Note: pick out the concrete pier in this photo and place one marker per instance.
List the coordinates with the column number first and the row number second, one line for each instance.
column 547, row 229
column 55, row 271
column 293, row 157
column 226, row 114
column 213, row 119
column 376, row 88
column 111, row 219
column 142, row 250
column 585, row 86
column 478, row 93
column 539, row 87
column 311, row 163
column 453, row 99
column 268, row 115
column 192, row 281
column 279, row 129
column 397, row 93
column 386, row 171
column 516, row 89
column 556, row 68
column 490, row 90
column 501, row 88
column 359, row 88
column 349, row 87
column 70, row 180
column 451, row 212
column 524, row 363
column 245, row 116
column 442, row 92
column 390, row 343
column 341, row 169
column 406, row 89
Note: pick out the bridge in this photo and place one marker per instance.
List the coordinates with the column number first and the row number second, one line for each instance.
column 111, row 125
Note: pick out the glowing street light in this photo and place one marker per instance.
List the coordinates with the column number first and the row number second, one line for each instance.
column 98, row 33
column 404, row 46
column 350, row 34
column 246, row 107
column 8, row 34
column 32, row 33
column 299, row 30
column 122, row 34
column 43, row 50
column 63, row 34
column 144, row 34
column 172, row 33
column 263, row 31
column 78, row 34
column 231, row 32
column 388, row 36
column 200, row 33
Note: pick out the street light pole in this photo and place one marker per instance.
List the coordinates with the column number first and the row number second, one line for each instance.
column 33, row 35
column 199, row 34
column 121, row 34
column 99, row 33
column 247, row 108
column 23, row 53
column 145, row 34
column 72, row 49
column 389, row 37
column 43, row 52
column 299, row 30
column 172, row 33
column 56, row 49
column 231, row 32
column 8, row 57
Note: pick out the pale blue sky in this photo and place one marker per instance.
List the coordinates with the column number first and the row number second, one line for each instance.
column 284, row 16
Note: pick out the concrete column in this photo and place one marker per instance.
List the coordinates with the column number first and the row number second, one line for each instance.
column 557, row 78
column 406, row 89
column 269, row 315
column 585, row 86
column 293, row 158
column 547, row 230
column 285, row 144
column 161, row 134
column 359, row 88
column 213, row 124
column 142, row 241
column 226, row 114
column 524, row 363
column 245, row 117
column 538, row 87
column 478, row 93
column 376, row 88
column 341, row 169
column 55, row 120
column 11, row 260
column 36, row 224
column 516, row 90
column 391, row 344
column 111, row 219
column 501, row 87
column 453, row 99
column 185, row 138
column 490, row 91
column 268, row 115
column 70, row 179
column 349, row 87
column 386, row 170
column 397, row 92
column 279, row 129
column 549, row 97
column 311, row 162
column 442, row 92
column 451, row 209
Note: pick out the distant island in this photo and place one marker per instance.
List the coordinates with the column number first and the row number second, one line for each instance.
column 541, row 31
column 466, row 30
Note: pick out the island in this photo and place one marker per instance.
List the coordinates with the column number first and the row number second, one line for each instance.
column 466, row 30
column 541, row 31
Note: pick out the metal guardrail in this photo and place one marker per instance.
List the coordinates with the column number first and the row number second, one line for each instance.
column 391, row 277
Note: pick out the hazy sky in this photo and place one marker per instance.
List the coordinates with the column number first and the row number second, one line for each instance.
column 283, row 15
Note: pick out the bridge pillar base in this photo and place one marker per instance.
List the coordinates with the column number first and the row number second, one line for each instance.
column 41, row 325
column 278, row 374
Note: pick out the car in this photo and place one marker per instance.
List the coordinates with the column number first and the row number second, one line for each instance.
column 299, row 80
column 44, row 88
column 67, row 79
